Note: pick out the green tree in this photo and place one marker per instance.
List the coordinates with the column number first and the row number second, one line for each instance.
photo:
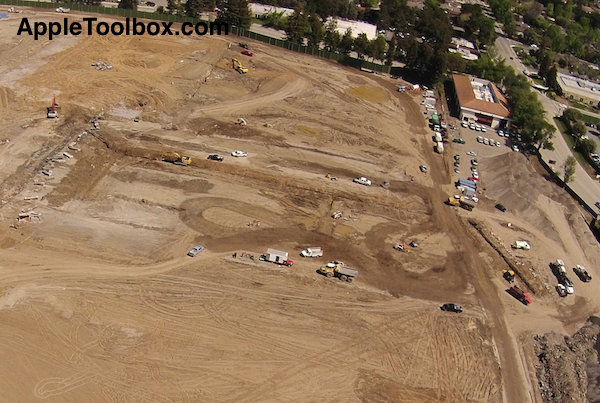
column 569, row 167
column 297, row 26
column 552, row 81
column 274, row 20
column 391, row 53
column 378, row 47
column 587, row 146
column 172, row 6
column 542, row 136
column 128, row 4
column 235, row 13
column 316, row 31
column 332, row 36
column 193, row 8
column 571, row 115
column 347, row 42
column 362, row 45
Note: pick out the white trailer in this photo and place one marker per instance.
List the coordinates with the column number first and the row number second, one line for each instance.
column 438, row 137
column 312, row 252
column 439, row 147
column 277, row 256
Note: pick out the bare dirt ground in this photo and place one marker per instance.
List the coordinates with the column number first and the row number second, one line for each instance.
column 98, row 301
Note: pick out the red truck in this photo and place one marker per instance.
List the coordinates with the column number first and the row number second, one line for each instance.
column 520, row 295
column 247, row 53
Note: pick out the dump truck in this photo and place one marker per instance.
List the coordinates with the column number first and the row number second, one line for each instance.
column 520, row 295
column 277, row 256
column 339, row 270
column 464, row 202
column 312, row 252
column 176, row 158
column 237, row 65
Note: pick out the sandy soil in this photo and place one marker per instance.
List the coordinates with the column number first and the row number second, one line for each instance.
column 98, row 300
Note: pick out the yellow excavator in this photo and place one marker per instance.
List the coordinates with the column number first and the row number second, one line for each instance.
column 237, row 65
column 176, row 158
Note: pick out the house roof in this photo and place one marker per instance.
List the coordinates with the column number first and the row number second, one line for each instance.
column 467, row 99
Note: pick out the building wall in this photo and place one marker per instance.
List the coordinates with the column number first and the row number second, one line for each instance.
column 494, row 121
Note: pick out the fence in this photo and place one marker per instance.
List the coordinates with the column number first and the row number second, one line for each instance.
column 341, row 58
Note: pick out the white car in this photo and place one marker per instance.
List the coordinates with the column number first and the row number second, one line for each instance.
column 486, row 141
column 472, row 153
column 195, row 251
column 472, row 126
column 239, row 154
column 515, row 148
column 498, row 144
column 500, row 133
column 480, row 139
column 475, row 175
column 464, row 124
column 492, row 142
column 362, row 181
column 483, row 129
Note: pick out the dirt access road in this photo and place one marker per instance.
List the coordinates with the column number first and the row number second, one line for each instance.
column 99, row 300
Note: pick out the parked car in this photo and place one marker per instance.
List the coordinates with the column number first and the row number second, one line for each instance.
column 515, row 148
column 195, row 250
column 423, row 168
column 474, row 162
column 479, row 139
column 247, row 53
column 498, row 144
column 239, row 154
column 215, row 157
column 472, row 126
column 597, row 204
column 561, row 290
column 501, row 207
column 457, row 157
column 150, row 4
column 500, row 133
column 472, row 153
column 362, row 181
column 582, row 273
column 486, row 141
column 459, row 141
column 464, row 124
column 451, row 308
column 492, row 142
column 566, row 281
column 244, row 45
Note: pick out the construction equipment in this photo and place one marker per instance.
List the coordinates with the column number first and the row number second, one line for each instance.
column 509, row 275
column 176, row 158
column 52, row 114
column 339, row 270
column 237, row 65
column 467, row 204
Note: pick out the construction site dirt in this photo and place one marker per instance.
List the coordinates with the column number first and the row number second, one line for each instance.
column 99, row 302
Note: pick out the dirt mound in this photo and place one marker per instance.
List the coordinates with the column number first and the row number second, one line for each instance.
column 562, row 363
column 509, row 179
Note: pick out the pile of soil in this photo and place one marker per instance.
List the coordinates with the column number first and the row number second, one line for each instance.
column 564, row 362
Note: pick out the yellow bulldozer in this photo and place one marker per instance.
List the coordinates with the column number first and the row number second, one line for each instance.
column 176, row 158
column 237, row 65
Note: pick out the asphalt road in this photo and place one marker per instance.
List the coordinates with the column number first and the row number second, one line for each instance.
column 586, row 187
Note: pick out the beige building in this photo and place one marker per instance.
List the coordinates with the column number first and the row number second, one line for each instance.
column 480, row 101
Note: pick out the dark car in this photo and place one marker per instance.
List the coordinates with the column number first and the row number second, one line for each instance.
column 501, row 207
column 451, row 308
column 582, row 273
column 459, row 141
column 244, row 45
column 215, row 157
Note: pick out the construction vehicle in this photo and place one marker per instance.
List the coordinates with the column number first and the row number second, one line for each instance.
column 52, row 114
column 339, row 270
column 467, row 204
column 238, row 66
column 176, row 158
column 509, row 275
column 519, row 294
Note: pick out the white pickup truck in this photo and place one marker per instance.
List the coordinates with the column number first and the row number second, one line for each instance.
column 362, row 181
column 312, row 252
column 521, row 245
